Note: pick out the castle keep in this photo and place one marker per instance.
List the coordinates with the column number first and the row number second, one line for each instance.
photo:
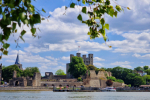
column 89, row 79
column 87, row 61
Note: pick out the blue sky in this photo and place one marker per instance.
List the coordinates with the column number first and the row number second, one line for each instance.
column 129, row 37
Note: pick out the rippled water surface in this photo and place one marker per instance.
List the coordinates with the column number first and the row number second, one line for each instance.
column 49, row 95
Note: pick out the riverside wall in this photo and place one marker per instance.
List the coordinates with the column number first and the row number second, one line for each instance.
column 26, row 88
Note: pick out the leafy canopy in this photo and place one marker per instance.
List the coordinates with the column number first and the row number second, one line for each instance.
column 7, row 72
column 60, row 72
column 17, row 13
column 29, row 71
column 77, row 67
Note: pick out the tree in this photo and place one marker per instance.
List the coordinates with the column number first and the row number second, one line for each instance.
column 60, row 72
column 120, row 73
column 147, row 78
column 146, row 67
column 7, row 72
column 147, row 71
column 77, row 67
column 29, row 71
column 91, row 67
column 19, row 12
column 139, row 80
column 138, row 68
column 109, row 82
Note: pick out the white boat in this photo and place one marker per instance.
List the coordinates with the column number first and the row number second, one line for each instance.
column 109, row 89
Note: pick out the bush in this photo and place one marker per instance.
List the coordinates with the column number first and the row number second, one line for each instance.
column 129, row 85
column 79, row 79
column 109, row 82
column 112, row 78
column 2, row 82
column 119, row 80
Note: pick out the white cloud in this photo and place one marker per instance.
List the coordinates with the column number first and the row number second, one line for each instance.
column 123, row 54
column 66, row 58
column 98, row 59
column 124, row 64
column 120, row 63
column 146, row 56
column 98, row 65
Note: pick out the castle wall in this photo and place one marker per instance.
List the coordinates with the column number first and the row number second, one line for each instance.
column 100, row 75
column 36, row 79
column 61, row 83
column 59, row 77
column 94, row 83
column 115, row 84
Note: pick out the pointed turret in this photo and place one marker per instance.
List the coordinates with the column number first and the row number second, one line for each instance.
column 18, row 62
column 17, row 59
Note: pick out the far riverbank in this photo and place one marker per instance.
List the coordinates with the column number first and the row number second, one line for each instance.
column 26, row 89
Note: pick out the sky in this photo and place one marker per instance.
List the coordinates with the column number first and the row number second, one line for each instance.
column 129, row 36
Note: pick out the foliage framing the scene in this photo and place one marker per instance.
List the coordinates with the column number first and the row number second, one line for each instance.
column 16, row 13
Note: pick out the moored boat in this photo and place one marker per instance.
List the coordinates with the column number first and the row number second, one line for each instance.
column 108, row 89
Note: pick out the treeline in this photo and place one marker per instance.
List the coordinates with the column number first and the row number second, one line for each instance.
column 7, row 72
column 128, row 76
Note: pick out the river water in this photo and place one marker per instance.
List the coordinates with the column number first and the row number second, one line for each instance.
column 50, row 95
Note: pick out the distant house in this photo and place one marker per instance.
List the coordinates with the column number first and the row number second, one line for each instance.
column 142, row 73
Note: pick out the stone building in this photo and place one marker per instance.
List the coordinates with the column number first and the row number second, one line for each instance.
column 25, row 81
column 87, row 61
column 0, row 73
column 18, row 62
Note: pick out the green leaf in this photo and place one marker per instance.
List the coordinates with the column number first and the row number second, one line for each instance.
column 72, row 5
column 79, row 17
column 128, row 8
column 115, row 13
column 6, row 45
column 1, row 37
column 23, row 32
column 83, row 1
column 36, row 18
column 43, row 19
column 84, row 10
column 16, row 31
column 102, row 21
column 105, row 38
column 107, row 26
column 118, row 8
column 5, row 52
column 22, row 39
column 43, row 10
column 0, row 2
column 0, row 9
column 89, row 33
column 66, row 7
column 111, row 12
column 4, row 17
column 33, row 30
column 22, row 16
column 14, row 26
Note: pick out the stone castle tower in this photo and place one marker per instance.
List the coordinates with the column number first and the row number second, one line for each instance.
column 18, row 62
column 87, row 61
column 0, row 73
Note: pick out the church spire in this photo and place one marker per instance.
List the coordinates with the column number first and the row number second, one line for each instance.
column 17, row 59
